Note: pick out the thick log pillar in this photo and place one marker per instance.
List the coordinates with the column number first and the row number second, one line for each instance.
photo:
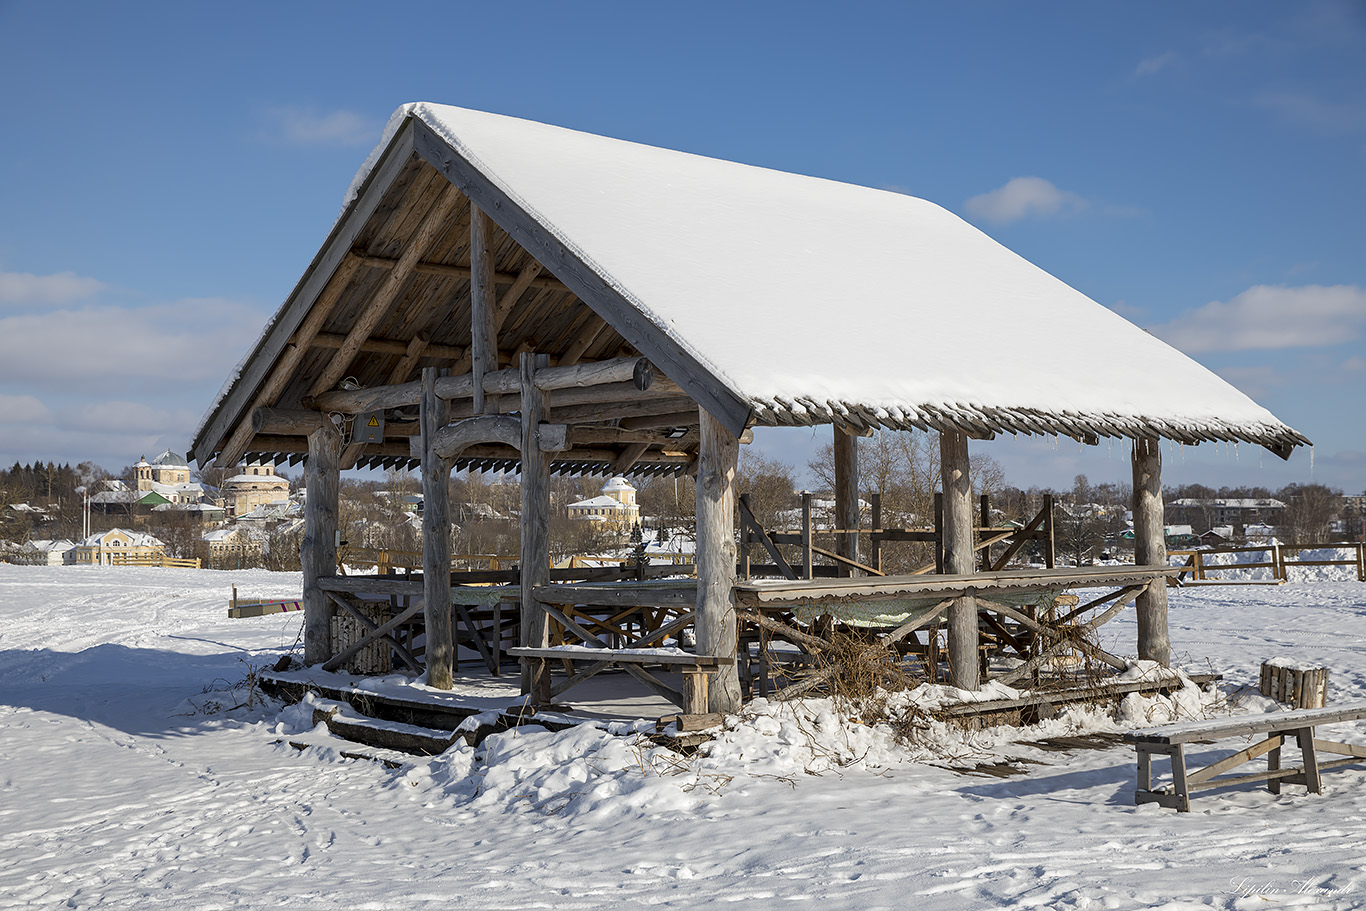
column 535, row 561
column 1150, row 549
column 715, row 613
column 318, row 553
column 436, row 540
column 846, row 496
column 959, row 557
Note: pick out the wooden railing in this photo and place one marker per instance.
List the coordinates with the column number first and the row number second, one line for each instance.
column 117, row 559
column 1280, row 557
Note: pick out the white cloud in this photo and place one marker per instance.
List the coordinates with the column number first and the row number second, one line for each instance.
column 1271, row 316
column 171, row 343
column 1023, row 197
column 1155, row 64
column 23, row 409
column 123, row 417
column 297, row 126
column 58, row 288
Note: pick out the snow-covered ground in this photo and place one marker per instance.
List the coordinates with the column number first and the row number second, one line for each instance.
column 128, row 780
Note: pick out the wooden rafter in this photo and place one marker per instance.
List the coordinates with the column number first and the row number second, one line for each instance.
column 236, row 446
column 454, row 271
column 433, row 225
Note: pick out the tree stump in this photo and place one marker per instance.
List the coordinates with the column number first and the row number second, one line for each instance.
column 1297, row 685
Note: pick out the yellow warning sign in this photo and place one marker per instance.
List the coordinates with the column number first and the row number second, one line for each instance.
column 374, row 421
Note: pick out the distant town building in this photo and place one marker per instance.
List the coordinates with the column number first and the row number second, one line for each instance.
column 117, row 545
column 615, row 506
column 1206, row 513
column 255, row 485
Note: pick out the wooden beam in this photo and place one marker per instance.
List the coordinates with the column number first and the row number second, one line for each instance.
column 586, row 337
column 635, row 370
column 453, row 439
column 542, row 280
column 286, row 421
column 436, row 222
column 846, row 496
column 629, row 457
column 483, row 334
column 1150, row 549
column 959, row 557
column 391, row 346
column 535, row 554
column 416, row 350
column 436, row 542
column 508, row 299
column 284, row 368
column 715, row 610
column 318, row 552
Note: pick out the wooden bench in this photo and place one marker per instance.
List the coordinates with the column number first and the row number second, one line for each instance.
column 1171, row 739
column 696, row 669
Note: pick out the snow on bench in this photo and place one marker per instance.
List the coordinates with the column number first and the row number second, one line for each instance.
column 1170, row 740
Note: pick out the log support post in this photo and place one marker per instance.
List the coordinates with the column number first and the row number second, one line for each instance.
column 436, row 541
column 318, row 554
column 483, row 346
column 1150, row 549
column 959, row 558
column 535, row 562
column 846, row 497
column 715, row 611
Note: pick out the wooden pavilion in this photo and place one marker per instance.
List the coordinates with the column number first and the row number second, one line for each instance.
column 501, row 294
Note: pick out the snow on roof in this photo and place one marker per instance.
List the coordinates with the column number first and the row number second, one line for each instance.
column 602, row 502
column 840, row 282
column 170, row 459
column 618, row 483
column 135, row 538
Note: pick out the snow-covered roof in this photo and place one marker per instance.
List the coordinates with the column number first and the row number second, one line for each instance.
column 602, row 502
column 618, row 483
column 170, row 459
column 769, row 297
column 135, row 538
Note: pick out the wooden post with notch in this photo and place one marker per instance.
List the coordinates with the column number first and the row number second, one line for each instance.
column 318, row 553
column 1150, row 549
column 846, row 497
column 715, row 609
column 436, row 543
column 535, row 562
column 959, row 557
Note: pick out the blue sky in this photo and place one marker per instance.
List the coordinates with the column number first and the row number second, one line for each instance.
column 167, row 171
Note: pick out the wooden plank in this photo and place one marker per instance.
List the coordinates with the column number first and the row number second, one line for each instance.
column 619, row 656
column 1247, row 725
column 616, row 596
column 373, row 633
column 436, row 222
column 651, row 340
column 1232, row 762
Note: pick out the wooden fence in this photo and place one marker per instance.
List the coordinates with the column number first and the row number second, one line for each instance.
column 1279, row 558
column 115, row 559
